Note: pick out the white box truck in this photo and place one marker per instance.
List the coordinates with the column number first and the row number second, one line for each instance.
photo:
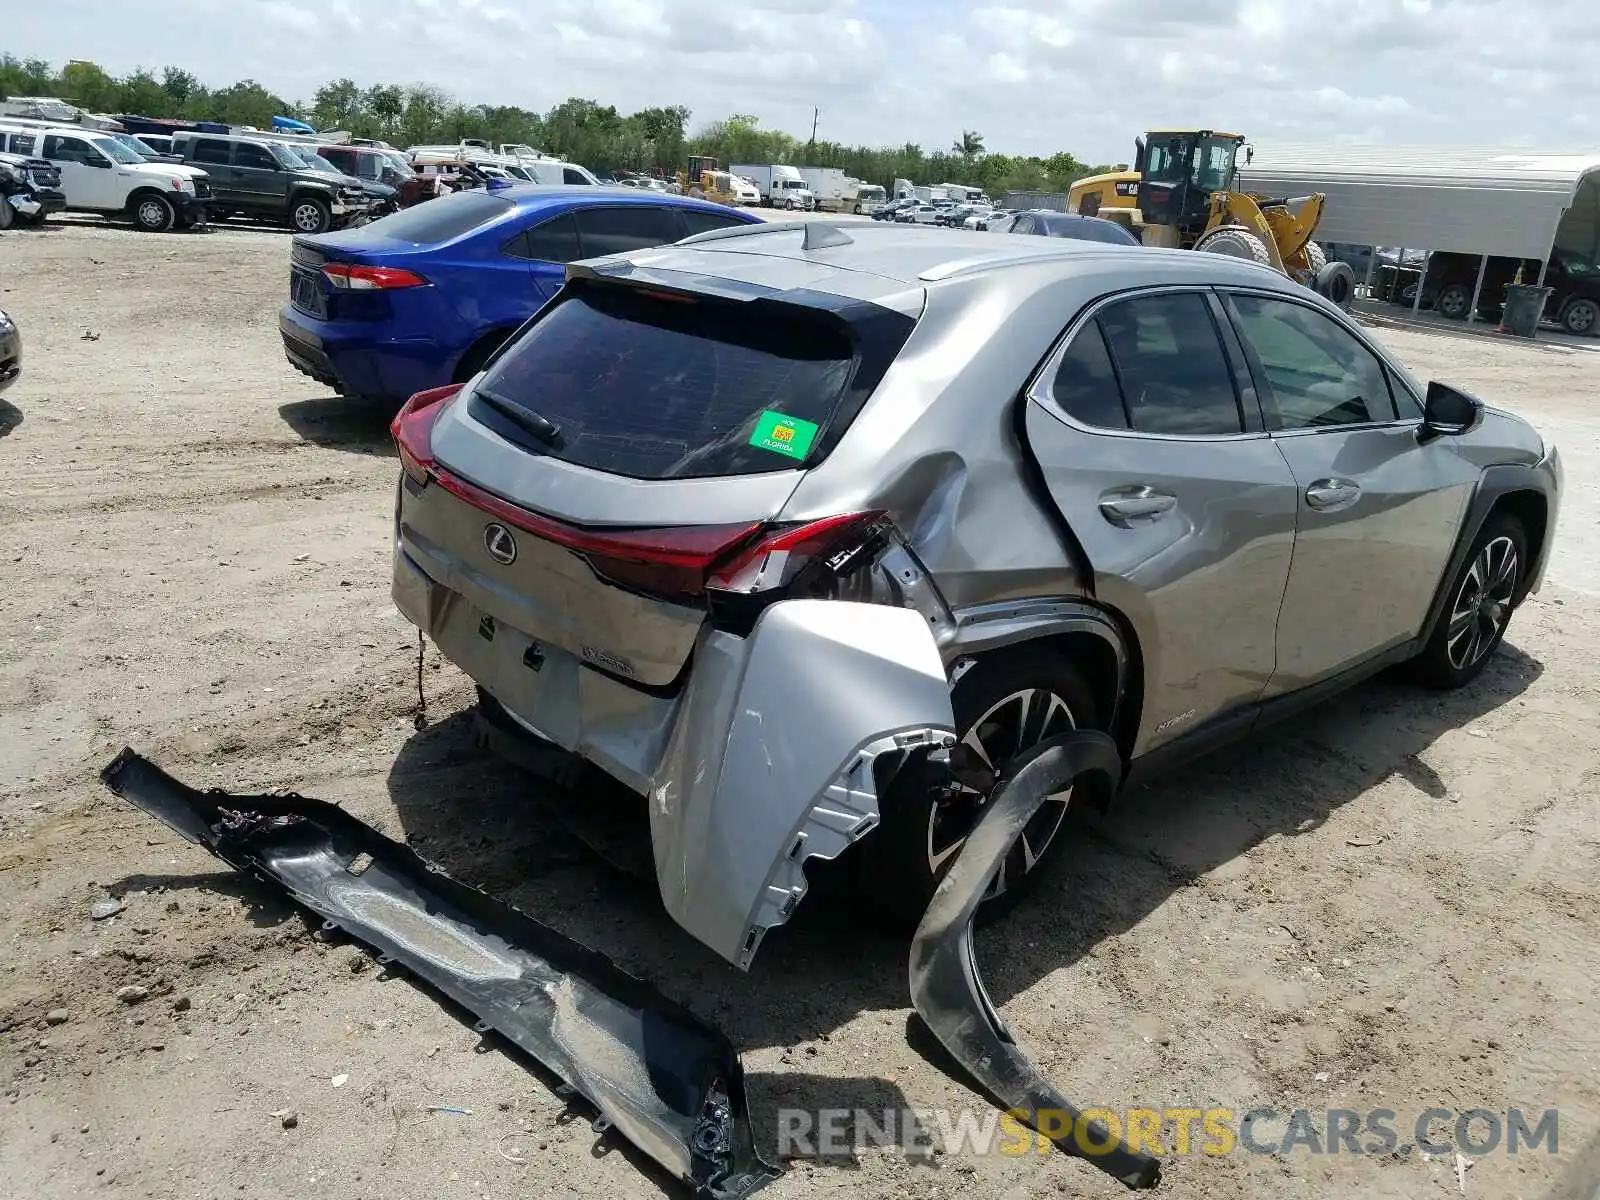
column 828, row 185
column 781, row 186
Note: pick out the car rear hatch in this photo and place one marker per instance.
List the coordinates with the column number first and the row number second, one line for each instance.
column 629, row 450
column 353, row 274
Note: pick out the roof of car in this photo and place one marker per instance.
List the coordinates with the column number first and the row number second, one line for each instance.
column 534, row 195
column 880, row 260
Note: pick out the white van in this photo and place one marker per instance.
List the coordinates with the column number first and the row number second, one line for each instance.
column 101, row 175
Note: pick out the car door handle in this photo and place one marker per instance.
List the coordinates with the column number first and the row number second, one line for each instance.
column 1326, row 494
column 1136, row 505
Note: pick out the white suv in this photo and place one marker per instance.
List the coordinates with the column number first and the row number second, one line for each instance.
column 101, row 175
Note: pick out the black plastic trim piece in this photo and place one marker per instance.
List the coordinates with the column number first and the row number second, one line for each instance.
column 947, row 991
column 668, row 1082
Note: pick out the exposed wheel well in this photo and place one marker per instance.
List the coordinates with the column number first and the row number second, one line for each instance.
column 1532, row 510
column 1094, row 656
column 470, row 363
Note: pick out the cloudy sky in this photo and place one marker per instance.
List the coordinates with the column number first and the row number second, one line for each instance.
column 1033, row 76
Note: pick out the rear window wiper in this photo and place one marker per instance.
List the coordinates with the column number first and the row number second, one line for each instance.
column 546, row 430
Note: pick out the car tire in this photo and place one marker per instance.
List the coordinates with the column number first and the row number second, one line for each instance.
column 1581, row 316
column 905, row 859
column 7, row 213
column 1453, row 301
column 1337, row 282
column 1482, row 596
column 310, row 215
column 153, row 214
column 1235, row 242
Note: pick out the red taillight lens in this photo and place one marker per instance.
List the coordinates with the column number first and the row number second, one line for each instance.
column 671, row 563
column 355, row 277
column 773, row 561
column 412, row 429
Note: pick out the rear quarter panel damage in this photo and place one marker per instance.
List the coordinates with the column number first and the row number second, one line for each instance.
column 771, row 761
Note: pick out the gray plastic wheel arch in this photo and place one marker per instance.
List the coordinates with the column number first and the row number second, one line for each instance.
column 771, row 761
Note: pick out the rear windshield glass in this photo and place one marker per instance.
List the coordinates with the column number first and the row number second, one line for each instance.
column 667, row 388
column 443, row 218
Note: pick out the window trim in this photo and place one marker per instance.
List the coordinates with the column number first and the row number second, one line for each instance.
column 1040, row 388
column 1269, row 405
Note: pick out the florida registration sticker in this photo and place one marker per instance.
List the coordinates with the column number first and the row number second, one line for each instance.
column 782, row 434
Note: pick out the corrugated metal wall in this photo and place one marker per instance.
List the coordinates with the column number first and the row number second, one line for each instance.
column 1469, row 199
column 1057, row 201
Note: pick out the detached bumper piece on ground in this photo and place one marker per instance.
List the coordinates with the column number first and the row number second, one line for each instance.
column 666, row 1081
column 947, row 992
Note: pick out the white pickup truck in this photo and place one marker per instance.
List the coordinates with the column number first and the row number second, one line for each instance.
column 101, row 175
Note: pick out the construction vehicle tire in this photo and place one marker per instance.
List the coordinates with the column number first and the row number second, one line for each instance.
column 1316, row 258
column 1337, row 282
column 1236, row 243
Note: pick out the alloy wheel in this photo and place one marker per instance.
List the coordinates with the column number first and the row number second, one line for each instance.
column 1453, row 303
column 307, row 218
column 152, row 214
column 1016, row 723
column 1580, row 318
column 1483, row 604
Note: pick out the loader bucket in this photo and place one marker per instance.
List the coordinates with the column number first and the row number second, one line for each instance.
column 947, row 991
column 668, row 1082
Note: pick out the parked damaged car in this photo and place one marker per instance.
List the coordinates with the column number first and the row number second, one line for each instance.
column 743, row 520
column 30, row 190
column 889, row 546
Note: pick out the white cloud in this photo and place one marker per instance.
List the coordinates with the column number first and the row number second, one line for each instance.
column 1034, row 76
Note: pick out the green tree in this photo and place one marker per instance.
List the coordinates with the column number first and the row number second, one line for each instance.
column 179, row 85
column 338, row 104
column 969, row 146
column 87, row 86
column 141, row 93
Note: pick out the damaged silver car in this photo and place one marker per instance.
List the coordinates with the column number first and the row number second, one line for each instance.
column 808, row 535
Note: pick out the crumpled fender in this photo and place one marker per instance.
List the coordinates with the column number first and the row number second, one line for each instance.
column 667, row 1081
column 772, row 759
column 947, row 991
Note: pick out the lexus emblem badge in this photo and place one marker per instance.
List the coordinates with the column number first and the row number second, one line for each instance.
column 497, row 540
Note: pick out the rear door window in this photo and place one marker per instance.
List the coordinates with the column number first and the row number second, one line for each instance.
column 698, row 221
column 555, row 240
column 209, row 150
column 1169, row 357
column 658, row 387
column 569, row 176
column 248, row 154
column 624, row 227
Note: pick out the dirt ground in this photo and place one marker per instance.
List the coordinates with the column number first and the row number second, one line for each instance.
column 1390, row 903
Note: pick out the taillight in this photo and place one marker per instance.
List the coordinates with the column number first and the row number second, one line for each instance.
column 412, row 429
column 356, row 277
column 671, row 563
column 777, row 559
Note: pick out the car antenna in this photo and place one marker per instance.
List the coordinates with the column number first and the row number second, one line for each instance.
column 820, row 234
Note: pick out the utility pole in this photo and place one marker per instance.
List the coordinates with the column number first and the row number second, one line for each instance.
column 811, row 151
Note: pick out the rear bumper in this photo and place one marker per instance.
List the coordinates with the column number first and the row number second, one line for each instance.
column 769, row 754
column 356, row 360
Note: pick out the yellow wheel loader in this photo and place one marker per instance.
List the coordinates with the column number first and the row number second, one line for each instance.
column 712, row 182
column 1182, row 193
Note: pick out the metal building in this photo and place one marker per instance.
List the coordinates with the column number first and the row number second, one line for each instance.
column 1478, row 201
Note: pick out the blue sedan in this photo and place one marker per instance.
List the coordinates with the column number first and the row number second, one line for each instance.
column 422, row 298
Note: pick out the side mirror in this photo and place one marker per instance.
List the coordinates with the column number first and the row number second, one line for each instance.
column 94, row 160
column 1448, row 413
